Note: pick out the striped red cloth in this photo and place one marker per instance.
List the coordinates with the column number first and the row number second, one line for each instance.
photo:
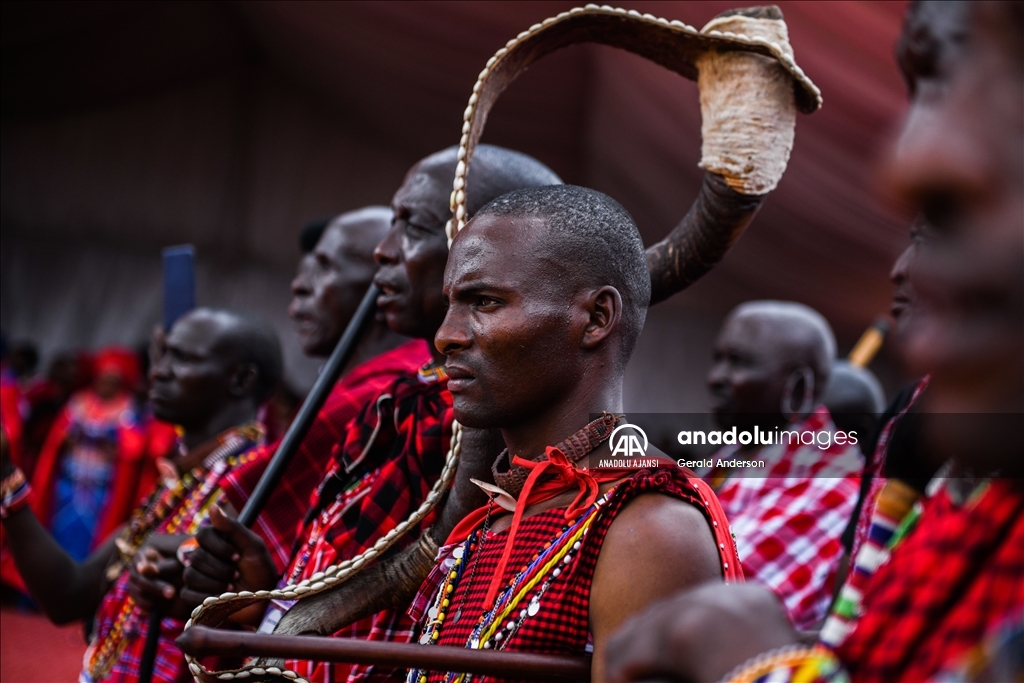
column 553, row 616
column 121, row 627
column 392, row 455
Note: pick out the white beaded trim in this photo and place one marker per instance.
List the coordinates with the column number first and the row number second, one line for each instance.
column 458, row 202
column 329, row 576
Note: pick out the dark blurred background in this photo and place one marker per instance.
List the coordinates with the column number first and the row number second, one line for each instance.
column 130, row 126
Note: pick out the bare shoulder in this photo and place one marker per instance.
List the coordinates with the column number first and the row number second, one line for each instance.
column 656, row 527
column 656, row 547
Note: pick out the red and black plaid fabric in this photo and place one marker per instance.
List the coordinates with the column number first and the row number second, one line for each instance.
column 278, row 524
column 953, row 578
column 395, row 448
column 562, row 626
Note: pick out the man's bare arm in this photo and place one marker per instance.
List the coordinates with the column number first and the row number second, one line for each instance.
column 656, row 547
column 66, row 590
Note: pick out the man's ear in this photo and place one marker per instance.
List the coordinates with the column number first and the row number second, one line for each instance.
column 604, row 307
column 243, row 379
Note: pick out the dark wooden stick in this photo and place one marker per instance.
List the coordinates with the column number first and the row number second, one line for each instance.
column 156, row 618
column 311, row 406
column 200, row 641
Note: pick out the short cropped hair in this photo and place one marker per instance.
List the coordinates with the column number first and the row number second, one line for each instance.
column 250, row 339
column 595, row 239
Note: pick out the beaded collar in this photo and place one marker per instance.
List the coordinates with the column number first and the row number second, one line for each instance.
column 177, row 490
column 575, row 447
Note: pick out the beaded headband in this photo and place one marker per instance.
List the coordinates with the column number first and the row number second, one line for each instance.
column 672, row 44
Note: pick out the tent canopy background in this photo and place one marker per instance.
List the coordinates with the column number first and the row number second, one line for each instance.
column 127, row 127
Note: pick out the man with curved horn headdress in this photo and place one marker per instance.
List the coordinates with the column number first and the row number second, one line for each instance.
column 743, row 164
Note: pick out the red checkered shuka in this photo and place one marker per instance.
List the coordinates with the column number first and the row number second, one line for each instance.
column 788, row 519
column 957, row 575
column 559, row 623
column 391, row 456
column 278, row 523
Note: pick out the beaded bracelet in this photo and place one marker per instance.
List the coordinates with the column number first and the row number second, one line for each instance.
column 789, row 663
column 15, row 493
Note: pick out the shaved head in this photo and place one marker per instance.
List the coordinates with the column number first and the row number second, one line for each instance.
column 772, row 362
column 333, row 277
column 212, row 363
column 796, row 334
column 247, row 339
column 361, row 230
column 855, row 399
column 413, row 254
column 495, row 171
column 853, row 389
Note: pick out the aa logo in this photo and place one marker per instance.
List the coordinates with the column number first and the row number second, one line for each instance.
column 626, row 441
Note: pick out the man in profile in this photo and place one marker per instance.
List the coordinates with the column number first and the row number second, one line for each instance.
column 214, row 370
column 548, row 291
column 333, row 275
column 772, row 362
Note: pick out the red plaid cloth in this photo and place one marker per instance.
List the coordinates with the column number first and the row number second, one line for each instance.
column 278, row 523
column 391, row 456
column 874, row 471
column 788, row 518
column 562, row 626
column 948, row 583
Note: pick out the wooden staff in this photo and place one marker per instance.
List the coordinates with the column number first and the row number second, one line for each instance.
column 311, row 406
column 869, row 343
column 200, row 641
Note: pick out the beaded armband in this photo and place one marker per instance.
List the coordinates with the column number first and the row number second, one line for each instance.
column 789, row 664
column 15, row 493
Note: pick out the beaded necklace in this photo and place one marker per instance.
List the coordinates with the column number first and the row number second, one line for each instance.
column 187, row 506
column 498, row 624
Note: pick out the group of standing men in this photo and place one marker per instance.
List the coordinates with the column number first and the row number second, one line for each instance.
column 522, row 332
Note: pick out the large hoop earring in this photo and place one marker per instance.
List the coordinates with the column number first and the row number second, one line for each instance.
column 807, row 400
